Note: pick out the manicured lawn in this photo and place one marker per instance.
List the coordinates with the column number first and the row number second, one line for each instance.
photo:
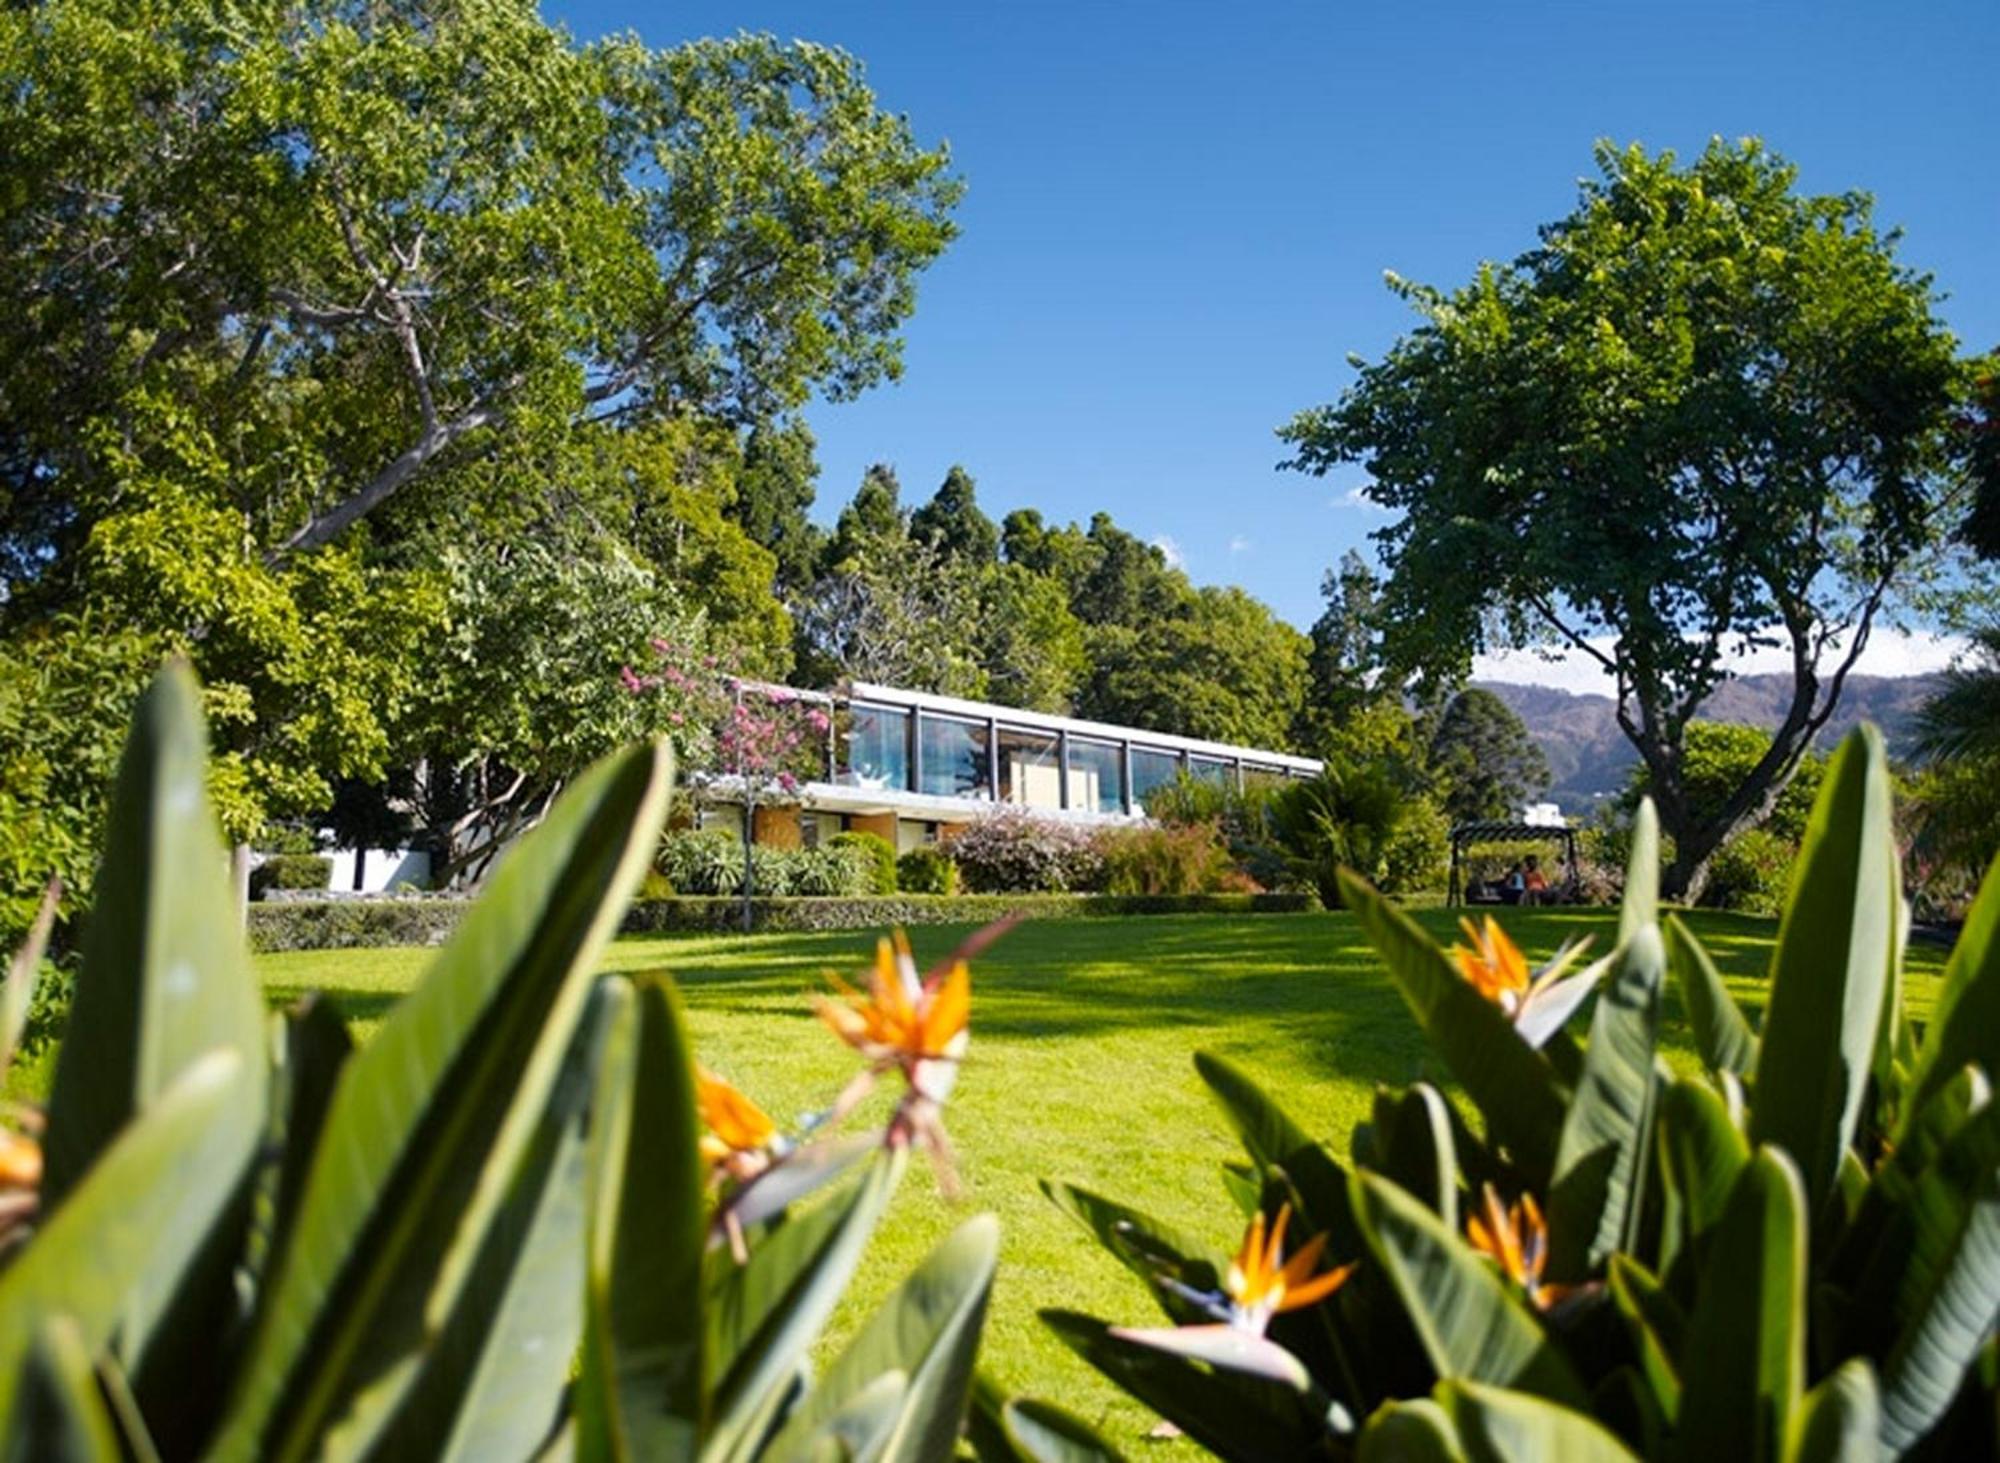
column 1079, row 1069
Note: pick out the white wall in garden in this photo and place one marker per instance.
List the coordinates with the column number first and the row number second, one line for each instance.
column 382, row 868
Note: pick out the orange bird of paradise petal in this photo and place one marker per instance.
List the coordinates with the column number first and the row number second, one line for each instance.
column 733, row 1120
column 1261, row 1283
column 1517, row 1238
column 901, row 1018
column 1493, row 963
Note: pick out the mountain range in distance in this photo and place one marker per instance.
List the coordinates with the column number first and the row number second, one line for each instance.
column 1589, row 757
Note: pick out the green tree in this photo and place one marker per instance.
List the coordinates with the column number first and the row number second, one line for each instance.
column 369, row 240
column 1222, row 667
column 873, row 518
column 1032, row 649
column 1707, row 408
column 1982, row 523
column 1483, row 759
column 775, row 487
column 1717, row 756
column 953, row 524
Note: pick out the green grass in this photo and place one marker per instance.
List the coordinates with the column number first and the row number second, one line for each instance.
column 1079, row 1069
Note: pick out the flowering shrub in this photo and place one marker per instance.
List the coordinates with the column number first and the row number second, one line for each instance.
column 1749, row 872
column 1014, row 852
column 1189, row 858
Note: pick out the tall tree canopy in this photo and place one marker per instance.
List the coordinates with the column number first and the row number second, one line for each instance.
column 1484, row 761
column 952, row 521
column 1707, row 410
column 361, row 239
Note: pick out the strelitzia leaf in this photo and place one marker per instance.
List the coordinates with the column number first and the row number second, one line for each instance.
column 430, row 1119
column 1840, row 1419
column 1640, row 907
column 165, row 981
column 1966, row 1024
column 768, row 1311
column 58, row 1415
column 135, row 1213
column 928, row 1332
column 1657, row 1327
column 492, row 1383
column 1415, row 1148
column 1496, row 1425
column 24, row 975
column 642, row 1383
column 1702, row 1155
column 1232, row 1414
column 1510, row 1083
column 1274, row 1140
column 1470, row 1322
column 1595, row 1203
column 1005, row 1429
column 1743, row 1366
column 1146, row 1246
column 1721, row 1034
column 1945, row 1264
column 1836, row 947
column 1417, row 1431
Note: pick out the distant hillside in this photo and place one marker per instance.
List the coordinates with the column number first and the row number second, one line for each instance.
column 1589, row 755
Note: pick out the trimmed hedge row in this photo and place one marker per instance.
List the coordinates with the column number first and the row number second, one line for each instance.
column 339, row 924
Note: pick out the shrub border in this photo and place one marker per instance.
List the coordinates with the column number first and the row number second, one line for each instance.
column 345, row 924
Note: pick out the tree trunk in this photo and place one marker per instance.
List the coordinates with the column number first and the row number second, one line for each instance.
column 749, row 859
column 239, row 881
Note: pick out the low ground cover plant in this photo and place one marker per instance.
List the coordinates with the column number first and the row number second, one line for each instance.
column 1791, row 1254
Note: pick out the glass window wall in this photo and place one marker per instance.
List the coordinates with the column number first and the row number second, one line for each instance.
column 953, row 759
column 1096, row 776
column 1212, row 771
column 1151, row 770
column 875, row 749
column 1030, row 775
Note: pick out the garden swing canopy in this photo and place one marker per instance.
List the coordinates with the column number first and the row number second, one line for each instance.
column 1466, row 835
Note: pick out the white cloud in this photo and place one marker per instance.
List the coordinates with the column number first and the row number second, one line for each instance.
column 1175, row 558
column 1239, row 545
column 1889, row 652
column 1357, row 498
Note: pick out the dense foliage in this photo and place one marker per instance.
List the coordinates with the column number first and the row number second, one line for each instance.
column 1788, row 1254
column 1706, row 409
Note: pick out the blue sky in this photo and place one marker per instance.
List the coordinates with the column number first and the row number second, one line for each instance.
column 1178, row 215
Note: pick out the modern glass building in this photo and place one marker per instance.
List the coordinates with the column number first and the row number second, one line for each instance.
column 910, row 766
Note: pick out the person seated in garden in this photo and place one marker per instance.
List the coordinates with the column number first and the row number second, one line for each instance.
column 1514, row 889
column 1534, row 884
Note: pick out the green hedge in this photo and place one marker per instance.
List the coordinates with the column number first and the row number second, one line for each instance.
column 291, row 871
column 338, row 924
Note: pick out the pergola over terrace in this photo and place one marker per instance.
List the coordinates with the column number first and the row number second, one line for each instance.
column 1468, row 835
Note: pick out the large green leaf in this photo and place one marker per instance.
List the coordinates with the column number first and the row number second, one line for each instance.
column 1273, row 1139
column 165, row 977
column 165, row 980
column 57, row 1413
column 928, row 1329
column 1840, row 1418
column 1415, row 1148
column 493, row 1381
column 643, row 1383
column 1510, row 1082
column 1640, row 908
column 1231, row 1413
column 1743, row 1365
column 1657, row 1326
column 1721, row 1034
column 1041, row 1433
column 141, row 1210
column 1146, row 1246
column 430, row 1119
column 1965, row 1027
column 1829, row 974
column 1496, row 1425
column 1595, row 1202
column 1702, row 1153
column 1944, row 1261
column 1416, row 1431
column 765, row 1313
column 1471, row 1323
